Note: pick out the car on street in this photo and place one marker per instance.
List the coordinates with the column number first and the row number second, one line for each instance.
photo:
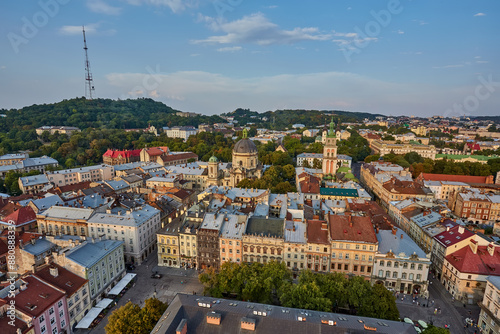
column 156, row 275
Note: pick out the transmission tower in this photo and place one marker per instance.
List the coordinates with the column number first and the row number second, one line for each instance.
column 89, row 81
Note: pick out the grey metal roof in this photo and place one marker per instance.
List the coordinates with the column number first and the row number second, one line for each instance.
column 234, row 227
column 47, row 202
column 88, row 253
column 269, row 319
column 34, row 180
column 65, row 213
column 40, row 246
column 390, row 242
column 495, row 280
column 135, row 218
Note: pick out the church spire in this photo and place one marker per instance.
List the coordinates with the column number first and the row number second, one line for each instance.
column 245, row 133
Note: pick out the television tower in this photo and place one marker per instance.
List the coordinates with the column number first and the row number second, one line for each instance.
column 89, row 81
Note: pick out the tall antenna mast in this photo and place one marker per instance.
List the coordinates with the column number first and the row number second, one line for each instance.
column 89, row 81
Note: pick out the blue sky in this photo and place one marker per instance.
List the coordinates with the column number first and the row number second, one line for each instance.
column 422, row 58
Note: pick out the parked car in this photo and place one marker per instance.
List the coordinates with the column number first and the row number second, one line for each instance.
column 156, row 275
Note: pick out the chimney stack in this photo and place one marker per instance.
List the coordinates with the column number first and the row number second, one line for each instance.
column 401, row 235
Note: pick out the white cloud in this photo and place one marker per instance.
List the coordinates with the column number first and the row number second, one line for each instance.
column 175, row 6
column 350, row 38
column 257, row 29
column 401, row 32
column 449, row 66
column 482, row 62
column 480, row 14
column 349, row 8
column 99, row 6
column 272, row 7
column 420, row 22
column 3, row 67
column 90, row 29
column 230, row 49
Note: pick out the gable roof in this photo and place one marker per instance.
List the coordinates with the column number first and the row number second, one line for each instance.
column 124, row 153
column 65, row 279
column 23, row 216
column 481, row 263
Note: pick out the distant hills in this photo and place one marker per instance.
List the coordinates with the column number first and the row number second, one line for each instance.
column 281, row 119
column 99, row 113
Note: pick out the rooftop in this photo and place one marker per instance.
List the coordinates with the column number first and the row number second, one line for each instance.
column 267, row 227
column 399, row 246
column 65, row 213
column 453, row 235
column 267, row 318
column 64, row 279
column 88, row 254
column 481, row 263
column 352, row 228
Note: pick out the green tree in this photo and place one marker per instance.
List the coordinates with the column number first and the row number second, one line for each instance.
column 305, row 164
column 125, row 320
column 436, row 330
column 373, row 157
column 152, row 312
column 317, row 163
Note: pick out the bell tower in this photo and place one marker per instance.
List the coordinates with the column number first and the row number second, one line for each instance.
column 330, row 151
column 213, row 171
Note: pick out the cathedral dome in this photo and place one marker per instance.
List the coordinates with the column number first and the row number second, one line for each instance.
column 245, row 145
column 213, row 158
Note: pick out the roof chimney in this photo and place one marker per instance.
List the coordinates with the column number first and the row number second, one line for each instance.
column 394, row 230
column 491, row 249
column 248, row 324
column 401, row 235
column 460, row 229
column 182, row 328
column 213, row 318
column 473, row 246
column 54, row 271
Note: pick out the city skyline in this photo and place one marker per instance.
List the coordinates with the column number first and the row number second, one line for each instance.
column 211, row 57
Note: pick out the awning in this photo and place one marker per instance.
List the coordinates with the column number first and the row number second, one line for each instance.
column 91, row 315
column 104, row 303
column 122, row 284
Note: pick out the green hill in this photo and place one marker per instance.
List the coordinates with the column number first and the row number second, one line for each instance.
column 98, row 113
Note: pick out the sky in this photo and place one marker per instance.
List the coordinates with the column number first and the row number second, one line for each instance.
column 395, row 57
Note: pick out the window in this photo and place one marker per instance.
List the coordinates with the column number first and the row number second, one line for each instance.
column 59, row 303
column 412, row 266
column 346, row 256
column 394, row 274
column 41, row 319
column 467, row 284
column 51, row 311
column 419, row 277
column 63, row 323
column 61, row 313
column 346, row 267
column 387, row 273
column 54, row 330
column 357, row 246
column 382, row 263
column 403, row 275
column 389, row 263
column 411, row 276
column 52, row 321
column 333, row 255
column 420, row 267
column 43, row 329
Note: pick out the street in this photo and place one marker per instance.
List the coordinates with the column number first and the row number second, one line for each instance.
column 450, row 313
column 173, row 281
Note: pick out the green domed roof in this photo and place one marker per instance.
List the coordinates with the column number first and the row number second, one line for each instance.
column 213, row 158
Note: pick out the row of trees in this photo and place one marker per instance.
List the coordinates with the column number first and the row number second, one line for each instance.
column 417, row 164
column 279, row 179
column 272, row 283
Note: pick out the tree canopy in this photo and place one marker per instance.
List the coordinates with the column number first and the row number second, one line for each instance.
column 131, row 319
column 272, row 283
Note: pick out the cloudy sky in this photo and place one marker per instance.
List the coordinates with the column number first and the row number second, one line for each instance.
column 404, row 57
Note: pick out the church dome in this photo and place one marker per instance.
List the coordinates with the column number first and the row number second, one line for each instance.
column 213, row 158
column 245, row 145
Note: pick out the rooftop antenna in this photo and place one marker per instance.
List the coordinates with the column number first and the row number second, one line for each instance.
column 89, row 81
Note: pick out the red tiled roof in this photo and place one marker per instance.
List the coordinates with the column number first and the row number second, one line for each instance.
column 377, row 215
column 22, row 216
column 65, row 279
column 396, row 186
column 24, row 236
column 153, row 151
column 481, row 263
column 315, row 233
column 125, row 153
column 310, row 185
column 360, row 231
column 474, row 146
column 37, row 293
column 454, row 178
column 3, row 247
column 451, row 237
column 180, row 156
column 8, row 329
column 8, row 208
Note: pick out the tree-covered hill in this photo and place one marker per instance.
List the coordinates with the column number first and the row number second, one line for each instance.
column 281, row 119
column 98, row 113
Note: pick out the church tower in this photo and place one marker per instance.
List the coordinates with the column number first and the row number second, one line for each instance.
column 213, row 171
column 330, row 152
